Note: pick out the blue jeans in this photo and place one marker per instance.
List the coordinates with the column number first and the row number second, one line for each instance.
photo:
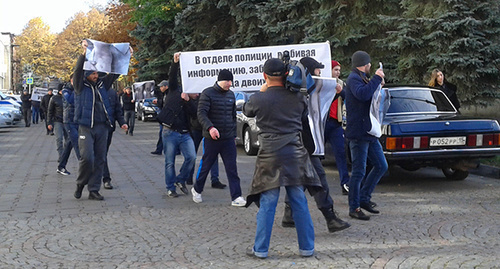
column 35, row 114
column 360, row 152
column 301, row 216
column 61, row 136
column 335, row 135
column 172, row 142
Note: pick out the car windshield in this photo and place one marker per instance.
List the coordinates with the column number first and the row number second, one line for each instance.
column 419, row 101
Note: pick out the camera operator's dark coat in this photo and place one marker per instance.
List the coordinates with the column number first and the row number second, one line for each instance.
column 282, row 159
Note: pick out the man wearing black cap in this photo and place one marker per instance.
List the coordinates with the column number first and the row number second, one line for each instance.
column 313, row 139
column 217, row 116
column 282, row 159
column 359, row 92
column 160, row 95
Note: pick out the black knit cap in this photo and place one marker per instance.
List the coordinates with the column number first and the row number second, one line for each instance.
column 311, row 64
column 360, row 58
column 274, row 67
column 225, row 74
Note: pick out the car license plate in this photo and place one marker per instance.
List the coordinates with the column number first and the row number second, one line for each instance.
column 447, row 141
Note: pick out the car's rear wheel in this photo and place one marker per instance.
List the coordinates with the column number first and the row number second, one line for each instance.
column 454, row 174
column 247, row 142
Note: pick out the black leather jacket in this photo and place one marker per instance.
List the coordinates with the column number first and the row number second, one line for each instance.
column 55, row 109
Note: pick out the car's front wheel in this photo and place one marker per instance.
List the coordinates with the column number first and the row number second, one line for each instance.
column 454, row 174
column 247, row 143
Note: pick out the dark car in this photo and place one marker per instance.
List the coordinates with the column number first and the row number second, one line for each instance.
column 422, row 128
column 246, row 129
column 146, row 110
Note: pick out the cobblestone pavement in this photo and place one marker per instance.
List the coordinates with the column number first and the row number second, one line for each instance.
column 426, row 220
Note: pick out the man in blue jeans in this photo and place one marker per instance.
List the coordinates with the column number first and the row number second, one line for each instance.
column 174, row 117
column 282, row 159
column 363, row 146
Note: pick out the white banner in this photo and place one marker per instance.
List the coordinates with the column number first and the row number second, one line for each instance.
column 199, row 69
column 38, row 93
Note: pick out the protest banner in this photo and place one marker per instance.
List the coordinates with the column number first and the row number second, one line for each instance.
column 108, row 58
column 38, row 93
column 143, row 89
column 199, row 69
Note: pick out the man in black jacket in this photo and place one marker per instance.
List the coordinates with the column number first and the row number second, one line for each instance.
column 129, row 110
column 217, row 115
column 26, row 106
column 160, row 95
column 44, row 106
column 174, row 117
column 55, row 124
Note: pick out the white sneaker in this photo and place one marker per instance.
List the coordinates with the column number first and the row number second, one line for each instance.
column 196, row 196
column 240, row 201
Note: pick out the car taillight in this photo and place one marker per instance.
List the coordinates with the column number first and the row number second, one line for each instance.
column 479, row 140
column 405, row 143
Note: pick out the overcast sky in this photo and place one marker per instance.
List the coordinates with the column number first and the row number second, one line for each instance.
column 15, row 14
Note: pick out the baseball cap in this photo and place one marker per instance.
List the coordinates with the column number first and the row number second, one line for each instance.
column 274, row 67
column 163, row 83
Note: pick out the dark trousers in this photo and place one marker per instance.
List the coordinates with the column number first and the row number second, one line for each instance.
column 106, row 176
column 322, row 198
column 92, row 143
column 159, row 144
column 27, row 116
column 214, row 171
column 227, row 150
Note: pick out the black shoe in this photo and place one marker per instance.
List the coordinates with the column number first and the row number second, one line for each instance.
column 172, row 194
column 78, row 192
column 189, row 182
column 368, row 207
column 218, row 185
column 107, row 185
column 156, row 152
column 94, row 195
column 181, row 187
column 131, row 134
column 50, row 133
column 287, row 221
column 373, row 204
column 345, row 189
column 336, row 224
column 358, row 214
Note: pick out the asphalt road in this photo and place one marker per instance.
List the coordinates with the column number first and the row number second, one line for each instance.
column 426, row 220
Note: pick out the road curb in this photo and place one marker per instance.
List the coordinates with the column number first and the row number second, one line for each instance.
column 486, row 171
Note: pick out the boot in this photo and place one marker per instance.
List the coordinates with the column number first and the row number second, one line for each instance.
column 287, row 220
column 333, row 223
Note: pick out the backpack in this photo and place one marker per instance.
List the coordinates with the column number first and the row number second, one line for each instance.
column 297, row 80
